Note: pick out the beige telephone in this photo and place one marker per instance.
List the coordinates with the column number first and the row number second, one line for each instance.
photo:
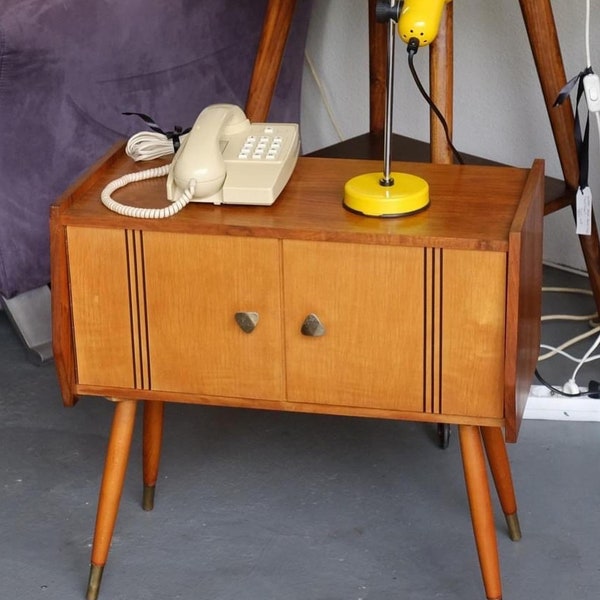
column 224, row 159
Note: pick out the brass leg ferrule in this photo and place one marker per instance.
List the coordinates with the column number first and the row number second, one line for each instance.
column 514, row 528
column 93, row 588
column 148, row 497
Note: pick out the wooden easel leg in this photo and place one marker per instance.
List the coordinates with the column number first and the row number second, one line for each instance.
column 153, row 433
column 480, row 503
column 111, row 489
column 495, row 449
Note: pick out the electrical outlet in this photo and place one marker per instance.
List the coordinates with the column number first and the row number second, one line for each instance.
column 544, row 404
column 541, row 391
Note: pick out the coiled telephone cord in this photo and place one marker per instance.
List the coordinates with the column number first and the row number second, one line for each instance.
column 145, row 213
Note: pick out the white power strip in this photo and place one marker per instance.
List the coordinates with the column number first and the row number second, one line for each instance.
column 543, row 404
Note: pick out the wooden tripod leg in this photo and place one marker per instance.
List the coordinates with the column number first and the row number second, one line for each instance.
column 441, row 86
column 111, row 489
column 543, row 38
column 495, row 448
column 271, row 47
column 480, row 503
column 153, row 433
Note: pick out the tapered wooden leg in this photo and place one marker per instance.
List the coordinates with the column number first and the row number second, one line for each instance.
column 153, row 432
column 480, row 504
column 495, row 449
column 111, row 489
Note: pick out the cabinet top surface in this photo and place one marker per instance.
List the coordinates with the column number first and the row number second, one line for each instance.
column 471, row 207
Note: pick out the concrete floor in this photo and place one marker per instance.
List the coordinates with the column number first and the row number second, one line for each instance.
column 255, row 505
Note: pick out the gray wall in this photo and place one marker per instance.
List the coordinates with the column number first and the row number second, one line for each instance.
column 499, row 111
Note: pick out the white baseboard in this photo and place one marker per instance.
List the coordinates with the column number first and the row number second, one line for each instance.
column 545, row 405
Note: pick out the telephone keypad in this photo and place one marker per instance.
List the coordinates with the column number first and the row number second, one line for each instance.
column 263, row 147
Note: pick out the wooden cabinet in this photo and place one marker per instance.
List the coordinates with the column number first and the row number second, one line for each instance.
column 414, row 311
column 304, row 306
column 432, row 317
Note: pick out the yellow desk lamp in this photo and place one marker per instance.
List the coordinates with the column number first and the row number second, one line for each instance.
column 390, row 194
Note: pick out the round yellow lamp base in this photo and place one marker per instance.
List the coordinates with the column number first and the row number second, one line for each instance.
column 364, row 194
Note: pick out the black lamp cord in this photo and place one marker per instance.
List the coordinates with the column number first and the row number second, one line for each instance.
column 413, row 46
column 556, row 390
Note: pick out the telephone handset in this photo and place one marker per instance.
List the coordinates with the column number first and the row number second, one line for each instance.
column 224, row 159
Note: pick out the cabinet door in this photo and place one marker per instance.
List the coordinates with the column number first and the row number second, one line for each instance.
column 100, row 301
column 194, row 287
column 370, row 302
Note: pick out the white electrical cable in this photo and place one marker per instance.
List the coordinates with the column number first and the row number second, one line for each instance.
column 566, row 355
column 569, row 343
column 148, row 145
column 324, row 98
column 553, row 351
column 560, row 317
column 567, row 290
column 569, row 317
column 587, row 34
column 589, row 54
column 139, row 212
column 585, row 358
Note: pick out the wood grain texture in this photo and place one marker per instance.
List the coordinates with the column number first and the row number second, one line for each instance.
column 460, row 214
column 377, row 72
column 99, row 288
column 194, row 287
column 480, row 503
column 62, row 339
column 472, row 333
column 441, row 86
column 271, row 47
column 543, row 38
column 495, row 450
column 370, row 299
column 523, row 301
column 153, row 422
column 115, row 467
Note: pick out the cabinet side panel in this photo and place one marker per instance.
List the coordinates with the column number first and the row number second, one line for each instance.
column 100, row 306
column 370, row 301
column 195, row 285
column 473, row 333
column 524, row 300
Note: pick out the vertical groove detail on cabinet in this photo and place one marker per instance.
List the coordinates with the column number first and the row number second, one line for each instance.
column 427, row 329
column 137, row 306
column 438, row 341
column 432, row 368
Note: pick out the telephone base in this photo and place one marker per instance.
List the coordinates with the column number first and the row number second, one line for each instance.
column 365, row 195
